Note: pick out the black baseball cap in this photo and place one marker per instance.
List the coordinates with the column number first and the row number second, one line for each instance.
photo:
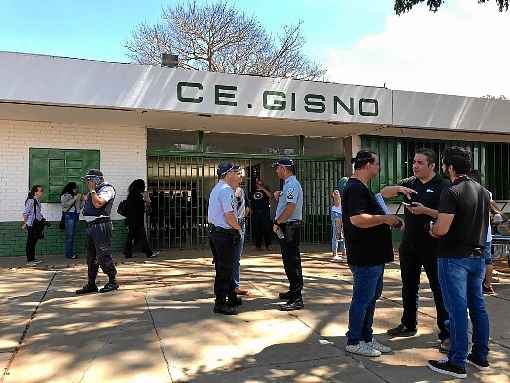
column 283, row 162
column 225, row 167
column 91, row 174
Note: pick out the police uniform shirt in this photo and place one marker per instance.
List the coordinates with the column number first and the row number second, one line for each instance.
column 291, row 193
column 428, row 194
column 221, row 200
column 106, row 193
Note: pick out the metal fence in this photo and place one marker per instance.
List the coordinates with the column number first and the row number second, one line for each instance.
column 180, row 183
column 396, row 158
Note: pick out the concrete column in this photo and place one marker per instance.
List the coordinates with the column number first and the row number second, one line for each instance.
column 352, row 145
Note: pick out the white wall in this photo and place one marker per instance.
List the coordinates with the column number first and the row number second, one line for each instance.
column 123, row 158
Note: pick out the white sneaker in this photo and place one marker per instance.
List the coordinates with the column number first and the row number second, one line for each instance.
column 37, row 261
column 337, row 258
column 31, row 263
column 363, row 349
column 379, row 347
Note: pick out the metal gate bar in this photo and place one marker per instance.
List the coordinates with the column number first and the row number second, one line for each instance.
column 180, row 185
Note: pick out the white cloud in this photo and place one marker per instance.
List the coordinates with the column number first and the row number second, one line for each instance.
column 462, row 49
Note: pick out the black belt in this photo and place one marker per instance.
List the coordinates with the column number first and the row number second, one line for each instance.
column 291, row 223
column 98, row 221
column 222, row 230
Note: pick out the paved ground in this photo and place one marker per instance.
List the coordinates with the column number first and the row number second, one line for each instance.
column 159, row 327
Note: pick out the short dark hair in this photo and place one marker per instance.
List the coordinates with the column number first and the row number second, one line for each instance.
column 363, row 157
column 429, row 153
column 459, row 158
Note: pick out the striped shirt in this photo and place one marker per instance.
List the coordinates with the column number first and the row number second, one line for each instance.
column 28, row 212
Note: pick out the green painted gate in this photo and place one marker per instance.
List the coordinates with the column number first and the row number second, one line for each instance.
column 179, row 184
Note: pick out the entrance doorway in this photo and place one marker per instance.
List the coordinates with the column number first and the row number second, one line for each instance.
column 180, row 183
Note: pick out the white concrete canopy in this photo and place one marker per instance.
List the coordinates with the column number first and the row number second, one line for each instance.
column 145, row 95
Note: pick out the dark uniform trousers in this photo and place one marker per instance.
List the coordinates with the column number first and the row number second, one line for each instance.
column 261, row 227
column 412, row 258
column 291, row 257
column 99, row 250
column 223, row 249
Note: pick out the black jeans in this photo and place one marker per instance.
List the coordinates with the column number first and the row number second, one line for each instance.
column 31, row 242
column 223, row 250
column 292, row 258
column 137, row 236
column 261, row 228
column 99, row 251
column 412, row 258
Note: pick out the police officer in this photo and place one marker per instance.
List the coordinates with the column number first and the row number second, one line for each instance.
column 289, row 213
column 224, row 236
column 418, row 248
column 96, row 212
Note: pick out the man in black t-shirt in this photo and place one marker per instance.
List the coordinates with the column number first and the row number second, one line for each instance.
column 261, row 218
column 367, row 232
column 418, row 248
column 462, row 225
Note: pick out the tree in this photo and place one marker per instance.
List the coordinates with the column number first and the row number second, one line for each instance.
column 219, row 38
column 402, row 6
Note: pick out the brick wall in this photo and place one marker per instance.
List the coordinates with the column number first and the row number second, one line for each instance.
column 123, row 158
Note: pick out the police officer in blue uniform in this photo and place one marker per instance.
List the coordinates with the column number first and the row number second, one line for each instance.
column 224, row 236
column 96, row 212
column 288, row 217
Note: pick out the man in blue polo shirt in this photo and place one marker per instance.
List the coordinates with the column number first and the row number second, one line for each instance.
column 289, row 213
column 224, row 236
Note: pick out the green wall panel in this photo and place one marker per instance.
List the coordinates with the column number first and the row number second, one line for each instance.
column 54, row 168
column 13, row 239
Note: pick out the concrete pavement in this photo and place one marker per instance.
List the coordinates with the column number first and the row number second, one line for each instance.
column 159, row 327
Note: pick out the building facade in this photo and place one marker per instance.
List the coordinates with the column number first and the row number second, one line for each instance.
column 171, row 127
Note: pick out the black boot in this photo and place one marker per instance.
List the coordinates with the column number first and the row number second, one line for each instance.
column 293, row 304
column 222, row 307
column 285, row 296
column 110, row 286
column 234, row 300
column 89, row 288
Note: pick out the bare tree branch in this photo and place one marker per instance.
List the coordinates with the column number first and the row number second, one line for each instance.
column 402, row 6
column 218, row 37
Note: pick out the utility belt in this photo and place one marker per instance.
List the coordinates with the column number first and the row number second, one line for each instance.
column 294, row 223
column 99, row 221
column 213, row 229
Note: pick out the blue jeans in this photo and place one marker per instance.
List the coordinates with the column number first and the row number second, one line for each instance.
column 487, row 253
column 336, row 243
column 461, row 285
column 238, row 250
column 368, row 285
column 71, row 224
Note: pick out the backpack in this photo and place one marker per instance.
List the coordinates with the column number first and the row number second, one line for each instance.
column 123, row 207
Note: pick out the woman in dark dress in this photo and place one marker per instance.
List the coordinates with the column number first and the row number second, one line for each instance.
column 135, row 220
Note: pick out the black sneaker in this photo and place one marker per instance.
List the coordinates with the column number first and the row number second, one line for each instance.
column 401, row 330
column 481, row 365
column 110, row 286
column 89, row 288
column 444, row 346
column 285, row 296
column 225, row 309
column 444, row 366
column 294, row 304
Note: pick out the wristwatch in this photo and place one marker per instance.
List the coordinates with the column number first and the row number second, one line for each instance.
column 93, row 191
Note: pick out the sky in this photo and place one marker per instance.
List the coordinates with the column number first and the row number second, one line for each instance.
column 458, row 50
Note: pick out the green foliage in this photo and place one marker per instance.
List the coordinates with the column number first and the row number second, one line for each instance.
column 402, row 6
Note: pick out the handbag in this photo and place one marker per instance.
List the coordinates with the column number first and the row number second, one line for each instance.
column 62, row 223
column 38, row 224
